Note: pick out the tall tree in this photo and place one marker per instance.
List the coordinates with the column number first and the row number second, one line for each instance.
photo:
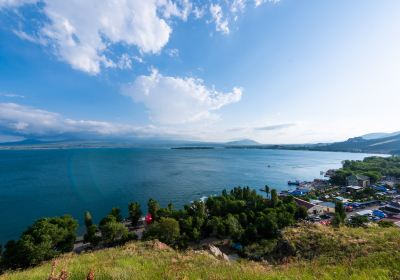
column 266, row 188
column 88, row 219
column 274, row 197
column 153, row 208
column 134, row 212
column 116, row 212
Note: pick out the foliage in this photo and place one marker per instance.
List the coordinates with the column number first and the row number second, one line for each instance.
column 134, row 212
column 116, row 212
column 152, row 208
column 386, row 224
column 345, row 253
column 166, row 230
column 88, row 219
column 373, row 167
column 358, row 221
column 111, row 230
column 45, row 239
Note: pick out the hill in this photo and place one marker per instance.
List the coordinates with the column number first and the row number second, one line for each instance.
column 243, row 142
column 317, row 252
column 379, row 135
column 387, row 145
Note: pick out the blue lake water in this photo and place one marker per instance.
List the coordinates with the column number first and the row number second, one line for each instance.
column 37, row 183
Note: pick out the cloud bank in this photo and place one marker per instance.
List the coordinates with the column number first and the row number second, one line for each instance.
column 16, row 119
column 175, row 100
column 83, row 33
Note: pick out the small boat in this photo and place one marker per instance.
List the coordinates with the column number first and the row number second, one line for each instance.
column 294, row 183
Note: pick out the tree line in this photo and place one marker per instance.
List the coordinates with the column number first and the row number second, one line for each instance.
column 241, row 215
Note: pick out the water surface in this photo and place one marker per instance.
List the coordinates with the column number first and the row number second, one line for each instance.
column 37, row 183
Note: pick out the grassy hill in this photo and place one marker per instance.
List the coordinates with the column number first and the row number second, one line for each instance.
column 318, row 253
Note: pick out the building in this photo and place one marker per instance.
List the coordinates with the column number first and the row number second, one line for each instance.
column 358, row 180
column 329, row 207
column 312, row 209
column 354, row 189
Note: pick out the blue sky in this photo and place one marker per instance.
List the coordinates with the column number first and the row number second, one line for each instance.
column 283, row 71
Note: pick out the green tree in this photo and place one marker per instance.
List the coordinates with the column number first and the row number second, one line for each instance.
column 112, row 231
column 274, row 198
column 91, row 237
column 301, row 213
column 116, row 212
column 233, row 227
column 153, row 207
column 45, row 239
column 166, row 230
column 266, row 189
column 88, row 219
column 134, row 212
column 340, row 211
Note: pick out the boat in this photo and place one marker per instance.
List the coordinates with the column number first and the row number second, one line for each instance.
column 294, row 183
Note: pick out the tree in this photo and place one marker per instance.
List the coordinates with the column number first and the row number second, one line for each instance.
column 339, row 209
column 233, row 227
column 274, row 198
column 301, row 213
column 88, row 219
column 358, row 221
column 266, row 188
column 134, row 212
column 45, row 239
column 166, row 230
column 112, row 230
column 153, row 207
column 91, row 237
column 116, row 212
column 91, row 230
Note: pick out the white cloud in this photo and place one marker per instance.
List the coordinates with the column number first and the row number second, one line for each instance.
column 259, row 2
column 172, row 52
column 221, row 23
column 16, row 119
column 175, row 100
column 238, row 6
column 11, row 95
column 15, row 3
column 82, row 32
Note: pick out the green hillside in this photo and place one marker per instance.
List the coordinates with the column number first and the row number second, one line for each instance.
column 319, row 253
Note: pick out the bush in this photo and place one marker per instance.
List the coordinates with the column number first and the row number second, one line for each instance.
column 166, row 230
column 45, row 239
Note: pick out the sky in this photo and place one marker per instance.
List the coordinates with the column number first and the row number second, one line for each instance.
column 276, row 71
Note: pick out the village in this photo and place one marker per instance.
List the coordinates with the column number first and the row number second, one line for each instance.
column 377, row 202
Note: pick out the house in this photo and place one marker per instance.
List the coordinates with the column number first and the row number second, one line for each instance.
column 329, row 207
column 354, row 189
column 358, row 180
column 312, row 209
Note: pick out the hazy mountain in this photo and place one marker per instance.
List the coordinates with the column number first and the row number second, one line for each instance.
column 387, row 145
column 243, row 142
column 379, row 135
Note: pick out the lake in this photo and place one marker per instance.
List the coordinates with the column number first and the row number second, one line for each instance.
column 38, row 183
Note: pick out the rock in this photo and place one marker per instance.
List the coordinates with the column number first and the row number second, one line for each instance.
column 216, row 252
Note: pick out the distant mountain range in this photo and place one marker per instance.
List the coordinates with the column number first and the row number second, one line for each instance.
column 379, row 135
column 246, row 142
column 386, row 145
column 370, row 143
